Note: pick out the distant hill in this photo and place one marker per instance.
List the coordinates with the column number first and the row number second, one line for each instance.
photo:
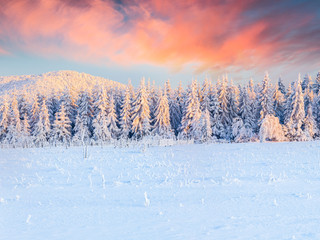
column 53, row 82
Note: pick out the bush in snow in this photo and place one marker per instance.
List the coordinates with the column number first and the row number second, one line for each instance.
column 271, row 129
column 240, row 132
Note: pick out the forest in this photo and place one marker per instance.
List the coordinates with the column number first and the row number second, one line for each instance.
column 207, row 112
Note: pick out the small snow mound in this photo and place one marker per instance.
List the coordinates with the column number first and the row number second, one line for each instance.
column 28, row 219
column 147, row 200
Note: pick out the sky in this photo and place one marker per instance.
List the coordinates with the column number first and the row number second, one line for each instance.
column 161, row 39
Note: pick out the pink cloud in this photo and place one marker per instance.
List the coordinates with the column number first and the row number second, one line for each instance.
column 3, row 52
column 211, row 34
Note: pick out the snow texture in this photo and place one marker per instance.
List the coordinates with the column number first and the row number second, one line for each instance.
column 200, row 191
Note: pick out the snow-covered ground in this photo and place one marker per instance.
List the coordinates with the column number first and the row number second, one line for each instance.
column 214, row 191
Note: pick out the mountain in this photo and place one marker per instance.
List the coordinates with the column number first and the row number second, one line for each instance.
column 53, row 82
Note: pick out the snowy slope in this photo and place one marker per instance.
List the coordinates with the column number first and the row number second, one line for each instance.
column 53, row 81
column 208, row 191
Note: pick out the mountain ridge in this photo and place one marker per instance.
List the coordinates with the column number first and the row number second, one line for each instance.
column 54, row 81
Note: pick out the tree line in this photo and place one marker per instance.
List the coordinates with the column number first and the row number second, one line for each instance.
column 203, row 112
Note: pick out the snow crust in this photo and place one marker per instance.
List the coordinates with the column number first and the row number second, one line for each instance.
column 198, row 191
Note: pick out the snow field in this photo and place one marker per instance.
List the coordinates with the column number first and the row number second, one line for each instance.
column 207, row 191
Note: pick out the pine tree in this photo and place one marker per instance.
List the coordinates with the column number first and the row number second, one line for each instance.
column 69, row 105
column 13, row 135
column 100, row 123
column 253, row 103
column 251, row 88
column 309, row 125
column 316, row 109
column 190, row 123
column 246, row 125
column 296, row 114
column 233, row 102
column 26, row 139
column 239, row 132
column 316, row 85
column 265, row 104
column 162, row 126
column 41, row 132
column 53, row 106
column 205, row 123
column 125, row 115
column 141, row 113
column 23, row 105
column 34, row 114
column 224, row 122
column 112, row 119
column 281, row 87
column 278, row 105
column 152, row 102
column 308, row 96
column 61, row 132
column 4, row 118
column 83, row 124
column 307, row 81
column 175, row 108
column 214, row 109
column 204, row 95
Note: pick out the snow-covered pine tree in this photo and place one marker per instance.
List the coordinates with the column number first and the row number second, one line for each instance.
column 265, row 103
column 53, row 106
column 224, row 122
column 112, row 118
column 61, row 132
column 26, row 139
column 239, row 132
column 153, row 101
column 190, row 123
column 316, row 85
column 83, row 124
column 251, row 87
column 175, row 107
column 281, row 86
column 125, row 115
column 4, row 118
column 278, row 104
column 204, row 95
column 309, row 125
column 316, row 109
column 296, row 114
column 34, row 113
column 117, row 102
column 308, row 97
column 141, row 113
column 206, row 130
column 70, row 105
column 23, row 104
column 247, row 124
column 168, row 89
column 161, row 121
column 287, row 104
column 214, row 110
column 42, row 128
column 13, row 135
column 307, row 81
column 100, row 122
column 233, row 103
column 101, row 99
column 131, row 90
column 251, row 90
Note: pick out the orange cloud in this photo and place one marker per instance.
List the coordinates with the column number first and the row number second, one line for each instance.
column 211, row 34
